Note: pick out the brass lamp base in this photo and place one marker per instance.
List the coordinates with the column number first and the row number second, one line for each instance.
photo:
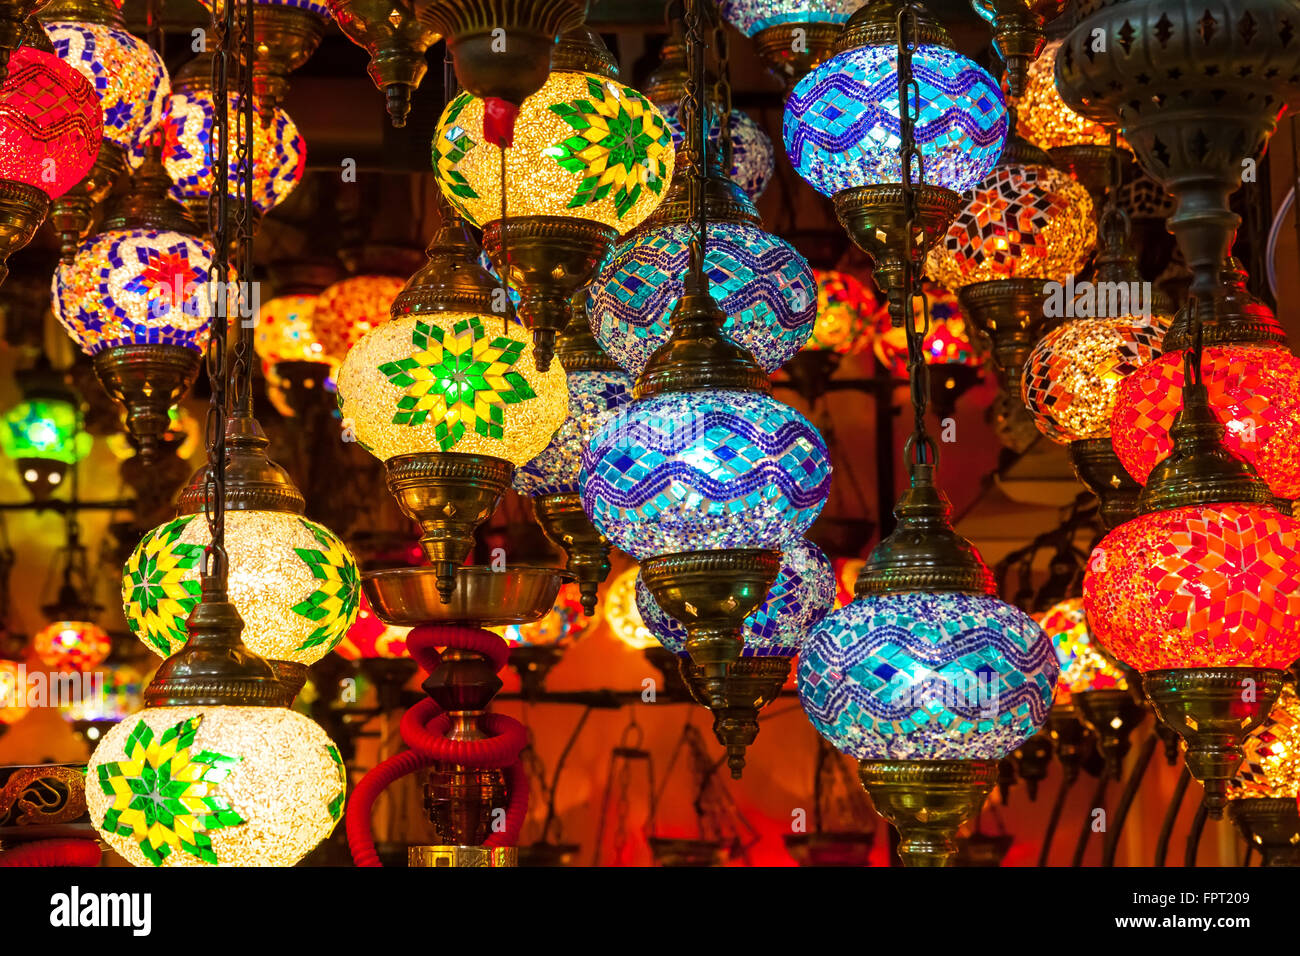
column 1069, row 738
column 568, row 527
column 711, row 593
column 1100, row 470
column 550, row 259
column 927, row 800
column 422, row 856
column 1112, row 715
column 147, row 380
column 874, row 219
column 1010, row 313
column 792, row 50
column 532, row 664
column 285, row 37
column 292, row 675
column 71, row 214
column 396, row 41
column 1213, row 709
column 22, row 210
column 405, row 597
column 1272, row 824
column 1090, row 165
column 750, row 685
column 449, row 495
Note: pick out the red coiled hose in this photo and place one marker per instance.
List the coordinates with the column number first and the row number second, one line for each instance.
column 424, row 728
column 64, row 852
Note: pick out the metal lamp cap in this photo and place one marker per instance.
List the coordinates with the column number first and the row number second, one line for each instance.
column 452, row 280
column 876, row 24
column 1233, row 315
column 253, row 481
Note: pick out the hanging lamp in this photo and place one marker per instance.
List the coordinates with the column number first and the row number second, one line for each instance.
column 790, row 36
column 132, row 85
column 396, row 40
column 589, row 160
column 1262, row 799
column 1018, row 33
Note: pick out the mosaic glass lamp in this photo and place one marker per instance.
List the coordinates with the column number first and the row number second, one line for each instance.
column 752, row 157
column 955, row 364
column 285, row 35
column 537, row 646
column 847, row 314
column 791, row 36
column 279, row 153
column 136, row 299
column 72, row 645
column 347, row 310
column 801, row 595
column 623, row 613
column 446, row 394
column 369, row 638
column 43, row 436
column 589, row 160
column 1253, row 387
column 598, row 388
column 1262, row 796
column 1198, row 593
column 13, row 693
column 1072, row 378
column 120, row 697
column 927, row 678
column 50, row 132
column 132, row 85
column 1023, row 227
column 292, row 581
column 842, row 129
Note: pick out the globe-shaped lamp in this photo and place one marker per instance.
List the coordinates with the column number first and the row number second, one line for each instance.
column 13, row 692
column 623, row 613
column 350, row 308
column 72, row 645
column 1084, row 667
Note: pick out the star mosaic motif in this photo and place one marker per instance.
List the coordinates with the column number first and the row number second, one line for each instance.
column 165, row 272
column 165, row 797
column 158, row 586
column 335, row 805
column 449, row 149
column 332, row 605
column 462, row 378
column 619, row 144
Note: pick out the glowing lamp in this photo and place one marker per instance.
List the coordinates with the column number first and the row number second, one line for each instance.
column 135, row 287
column 215, row 786
column 284, row 331
column 119, row 698
column 1254, row 390
column 1208, row 586
column 1271, row 769
column 691, row 471
column 350, row 308
column 585, row 146
column 623, row 614
column 1020, row 221
column 803, row 592
column 1075, row 372
column 763, row 285
column 914, row 676
column 50, row 123
column 72, row 645
column 595, row 395
column 1043, row 117
column 565, row 624
column 47, row 429
column 847, row 314
column 450, row 382
column 13, row 692
column 841, row 122
column 947, row 343
column 846, row 577
column 294, row 583
column 1083, row 666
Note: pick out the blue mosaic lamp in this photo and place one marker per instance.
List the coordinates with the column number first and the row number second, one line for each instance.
column 791, row 36
column 598, row 388
column 804, row 590
column 928, row 678
column 842, row 133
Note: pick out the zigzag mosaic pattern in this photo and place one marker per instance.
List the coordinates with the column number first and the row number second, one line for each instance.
column 927, row 677
column 841, row 123
column 593, row 396
column 760, row 281
column 698, row 471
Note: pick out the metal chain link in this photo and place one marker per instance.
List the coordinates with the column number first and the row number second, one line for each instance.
column 695, row 125
column 242, row 371
column 722, row 90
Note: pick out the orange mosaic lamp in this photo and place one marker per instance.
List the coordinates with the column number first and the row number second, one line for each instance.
column 1262, row 801
column 72, row 645
column 537, row 646
column 847, row 313
column 350, row 308
column 1200, row 592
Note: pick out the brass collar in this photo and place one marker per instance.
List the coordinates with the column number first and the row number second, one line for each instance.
column 876, row 24
column 452, row 280
column 147, row 204
column 1232, row 316
column 576, row 347
column 583, row 51
column 101, row 12
column 253, row 481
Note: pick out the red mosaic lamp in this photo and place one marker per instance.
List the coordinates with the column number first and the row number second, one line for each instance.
column 50, row 128
column 1199, row 593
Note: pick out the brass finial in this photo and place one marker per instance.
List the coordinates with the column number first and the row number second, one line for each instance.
column 1231, row 316
column 148, row 204
column 876, row 24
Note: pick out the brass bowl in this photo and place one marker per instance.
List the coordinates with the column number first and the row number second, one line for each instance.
column 405, row 597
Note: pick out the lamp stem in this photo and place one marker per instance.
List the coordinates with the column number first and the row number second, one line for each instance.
column 696, row 121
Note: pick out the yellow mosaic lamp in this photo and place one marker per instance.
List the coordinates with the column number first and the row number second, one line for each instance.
column 447, row 395
column 589, row 159
column 293, row 582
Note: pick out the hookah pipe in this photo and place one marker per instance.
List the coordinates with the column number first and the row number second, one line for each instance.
column 449, row 727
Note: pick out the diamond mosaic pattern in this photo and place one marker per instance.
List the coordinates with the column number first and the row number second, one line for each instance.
column 760, row 281
column 1018, row 222
column 50, row 122
column 1272, row 764
column 753, row 161
column 1255, row 393
column 1073, row 375
column 801, row 595
column 1083, row 666
column 691, row 471
column 841, row 122
column 927, row 677
column 593, row 397
column 1215, row 586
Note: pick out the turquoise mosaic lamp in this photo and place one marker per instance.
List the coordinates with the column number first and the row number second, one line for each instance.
column 791, row 36
column 842, row 132
column 804, row 590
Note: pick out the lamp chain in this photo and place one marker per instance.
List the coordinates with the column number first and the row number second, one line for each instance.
column 722, row 90
column 695, row 121
column 909, row 98
column 242, row 372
